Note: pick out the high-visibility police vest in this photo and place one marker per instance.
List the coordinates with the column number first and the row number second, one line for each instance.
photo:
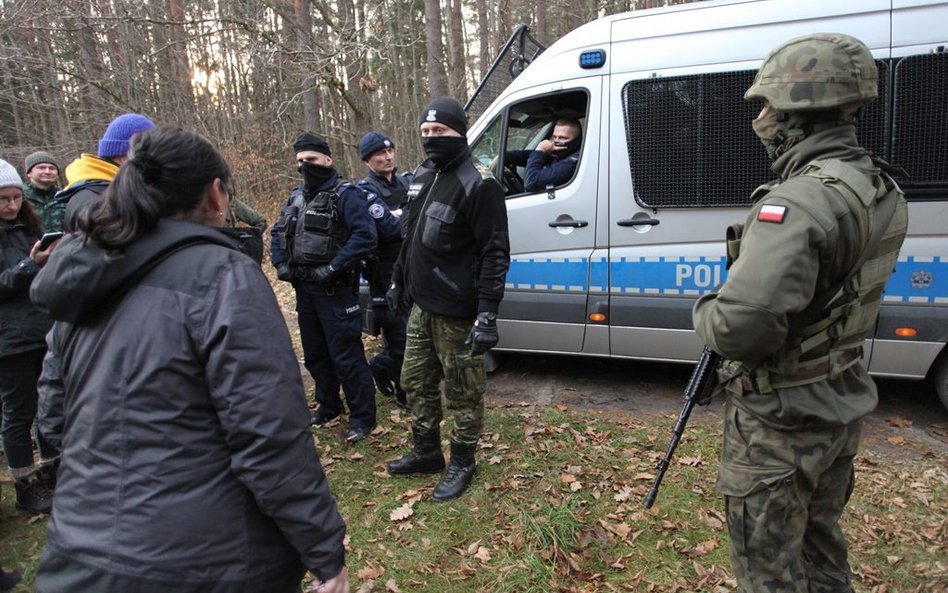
column 824, row 348
column 311, row 231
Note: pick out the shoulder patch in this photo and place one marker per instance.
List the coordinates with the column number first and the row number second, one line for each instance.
column 771, row 213
column 376, row 211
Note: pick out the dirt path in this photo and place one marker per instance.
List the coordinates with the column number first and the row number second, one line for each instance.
column 908, row 423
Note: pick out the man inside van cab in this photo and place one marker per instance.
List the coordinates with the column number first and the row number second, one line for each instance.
column 801, row 296
column 553, row 161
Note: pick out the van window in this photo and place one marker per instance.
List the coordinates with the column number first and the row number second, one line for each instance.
column 691, row 144
column 920, row 120
column 506, row 148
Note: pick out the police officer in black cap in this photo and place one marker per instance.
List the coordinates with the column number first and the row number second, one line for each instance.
column 323, row 233
column 387, row 193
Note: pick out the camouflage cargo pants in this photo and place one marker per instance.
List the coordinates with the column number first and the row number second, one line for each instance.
column 784, row 493
column 435, row 350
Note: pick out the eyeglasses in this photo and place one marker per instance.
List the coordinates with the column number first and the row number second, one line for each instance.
column 7, row 200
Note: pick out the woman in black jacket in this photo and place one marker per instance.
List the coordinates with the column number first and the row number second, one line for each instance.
column 172, row 388
column 22, row 343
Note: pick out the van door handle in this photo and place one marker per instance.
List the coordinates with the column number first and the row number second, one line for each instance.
column 577, row 224
column 638, row 221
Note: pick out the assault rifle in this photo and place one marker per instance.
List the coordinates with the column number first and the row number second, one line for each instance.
column 698, row 392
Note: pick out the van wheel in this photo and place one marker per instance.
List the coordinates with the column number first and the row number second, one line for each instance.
column 491, row 361
column 940, row 378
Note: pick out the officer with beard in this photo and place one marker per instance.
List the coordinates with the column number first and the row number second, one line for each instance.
column 802, row 295
column 323, row 233
column 452, row 266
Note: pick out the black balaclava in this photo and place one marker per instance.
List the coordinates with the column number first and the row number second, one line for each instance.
column 443, row 150
column 315, row 176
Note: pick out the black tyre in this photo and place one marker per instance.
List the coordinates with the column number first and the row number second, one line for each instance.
column 940, row 378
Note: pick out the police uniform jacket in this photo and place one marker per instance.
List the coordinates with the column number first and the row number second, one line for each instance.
column 456, row 252
column 22, row 326
column 172, row 388
column 353, row 215
column 800, row 240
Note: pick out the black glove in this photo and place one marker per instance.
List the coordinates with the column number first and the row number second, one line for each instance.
column 484, row 334
column 284, row 273
column 324, row 274
column 394, row 298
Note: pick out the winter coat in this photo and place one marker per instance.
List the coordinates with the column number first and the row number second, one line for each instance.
column 172, row 388
column 22, row 326
column 456, row 251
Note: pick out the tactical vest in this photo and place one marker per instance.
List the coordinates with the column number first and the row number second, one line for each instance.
column 394, row 199
column 311, row 231
column 824, row 348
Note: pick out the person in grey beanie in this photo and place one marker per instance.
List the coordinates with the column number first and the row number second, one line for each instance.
column 89, row 175
column 41, row 187
column 23, row 331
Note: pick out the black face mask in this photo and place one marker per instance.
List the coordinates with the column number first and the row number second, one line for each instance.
column 571, row 147
column 314, row 176
column 444, row 149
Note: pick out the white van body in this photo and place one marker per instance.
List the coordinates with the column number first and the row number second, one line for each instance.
column 621, row 245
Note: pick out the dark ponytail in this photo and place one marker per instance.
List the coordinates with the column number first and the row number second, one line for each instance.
column 166, row 176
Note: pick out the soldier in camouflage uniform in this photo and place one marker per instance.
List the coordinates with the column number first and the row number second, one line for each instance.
column 802, row 295
column 453, row 264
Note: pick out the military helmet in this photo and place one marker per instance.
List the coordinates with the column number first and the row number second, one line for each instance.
column 819, row 71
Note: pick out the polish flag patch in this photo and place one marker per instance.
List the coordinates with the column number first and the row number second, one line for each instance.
column 770, row 213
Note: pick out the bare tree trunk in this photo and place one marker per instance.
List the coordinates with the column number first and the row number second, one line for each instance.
column 541, row 33
column 484, row 30
column 458, row 63
column 437, row 85
column 304, row 24
column 181, row 66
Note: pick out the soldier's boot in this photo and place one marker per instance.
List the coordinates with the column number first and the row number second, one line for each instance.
column 458, row 475
column 424, row 458
column 8, row 580
column 32, row 495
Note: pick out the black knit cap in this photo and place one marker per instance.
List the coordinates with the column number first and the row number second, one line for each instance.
column 447, row 111
column 307, row 141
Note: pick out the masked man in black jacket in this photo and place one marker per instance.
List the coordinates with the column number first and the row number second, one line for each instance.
column 452, row 266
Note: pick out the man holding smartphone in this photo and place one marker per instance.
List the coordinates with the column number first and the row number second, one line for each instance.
column 553, row 161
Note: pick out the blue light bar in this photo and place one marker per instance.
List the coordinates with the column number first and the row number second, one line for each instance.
column 594, row 58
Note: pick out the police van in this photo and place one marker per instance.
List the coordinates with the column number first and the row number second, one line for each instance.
column 610, row 262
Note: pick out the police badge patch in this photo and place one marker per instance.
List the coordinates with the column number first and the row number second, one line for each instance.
column 376, row 211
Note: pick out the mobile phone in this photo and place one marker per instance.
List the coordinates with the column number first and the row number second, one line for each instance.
column 559, row 143
column 48, row 240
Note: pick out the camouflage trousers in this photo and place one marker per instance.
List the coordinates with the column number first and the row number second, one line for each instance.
column 784, row 493
column 434, row 351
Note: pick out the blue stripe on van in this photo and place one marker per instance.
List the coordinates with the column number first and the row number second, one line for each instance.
column 916, row 279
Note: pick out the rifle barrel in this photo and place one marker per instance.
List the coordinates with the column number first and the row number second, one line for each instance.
column 697, row 391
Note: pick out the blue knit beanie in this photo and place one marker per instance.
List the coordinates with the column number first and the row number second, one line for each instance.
column 372, row 143
column 8, row 176
column 115, row 140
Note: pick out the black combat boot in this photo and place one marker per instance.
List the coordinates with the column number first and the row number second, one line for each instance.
column 424, row 458
column 8, row 580
column 32, row 496
column 457, row 477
